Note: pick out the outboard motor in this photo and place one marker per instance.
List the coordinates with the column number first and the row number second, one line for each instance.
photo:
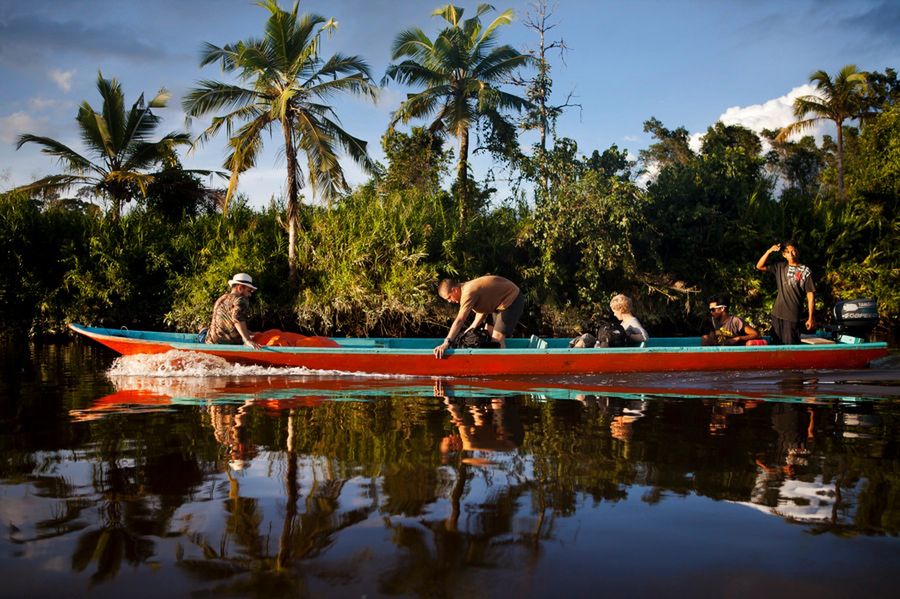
column 857, row 317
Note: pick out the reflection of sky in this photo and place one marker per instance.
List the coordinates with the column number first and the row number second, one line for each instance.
column 806, row 501
column 23, row 504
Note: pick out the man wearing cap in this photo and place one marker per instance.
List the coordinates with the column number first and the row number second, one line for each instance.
column 726, row 329
column 229, row 317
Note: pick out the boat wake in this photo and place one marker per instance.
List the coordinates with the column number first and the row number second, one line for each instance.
column 185, row 364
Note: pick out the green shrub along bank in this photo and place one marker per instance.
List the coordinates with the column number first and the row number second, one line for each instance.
column 368, row 264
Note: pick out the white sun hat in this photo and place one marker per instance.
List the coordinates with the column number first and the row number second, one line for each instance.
column 242, row 278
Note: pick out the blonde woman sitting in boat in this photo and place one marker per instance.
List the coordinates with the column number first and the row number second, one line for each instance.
column 623, row 309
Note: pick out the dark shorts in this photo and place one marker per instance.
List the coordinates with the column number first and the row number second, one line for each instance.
column 785, row 332
column 505, row 321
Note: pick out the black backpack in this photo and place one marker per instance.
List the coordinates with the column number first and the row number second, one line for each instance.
column 611, row 334
column 474, row 339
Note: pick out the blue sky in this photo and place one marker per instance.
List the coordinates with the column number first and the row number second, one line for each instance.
column 688, row 63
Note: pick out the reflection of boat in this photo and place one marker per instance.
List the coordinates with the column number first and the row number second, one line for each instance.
column 521, row 357
column 143, row 393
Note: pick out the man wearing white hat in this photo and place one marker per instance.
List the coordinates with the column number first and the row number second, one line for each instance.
column 229, row 317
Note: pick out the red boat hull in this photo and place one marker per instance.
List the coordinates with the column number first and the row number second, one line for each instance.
column 524, row 362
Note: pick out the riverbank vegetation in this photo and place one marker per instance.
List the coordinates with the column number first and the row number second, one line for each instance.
column 581, row 224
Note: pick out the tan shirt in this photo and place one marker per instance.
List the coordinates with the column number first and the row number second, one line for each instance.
column 486, row 295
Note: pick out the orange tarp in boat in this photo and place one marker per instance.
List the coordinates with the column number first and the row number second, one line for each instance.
column 278, row 338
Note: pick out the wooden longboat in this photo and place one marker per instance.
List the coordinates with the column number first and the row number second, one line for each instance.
column 534, row 356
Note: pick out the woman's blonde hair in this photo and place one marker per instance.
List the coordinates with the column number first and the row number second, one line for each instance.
column 621, row 303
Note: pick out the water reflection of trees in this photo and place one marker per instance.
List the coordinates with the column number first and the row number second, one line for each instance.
column 456, row 481
column 566, row 450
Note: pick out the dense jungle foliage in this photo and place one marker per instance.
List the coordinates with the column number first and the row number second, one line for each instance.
column 582, row 225
column 370, row 263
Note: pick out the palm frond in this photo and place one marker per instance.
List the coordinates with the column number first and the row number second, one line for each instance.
column 508, row 101
column 419, row 105
column 339, row 64
column 412, row 43
column 355, row 147
column 160, row 100
column 93, row 133
column 146, row 154
column 140, row 124
column 451, row 14
column 56, row 182
column 804, row 105
column 325, row 176
column 210, row 53
column 244, row 114
column 504, row 18
column 213, row 95
column 257, row 63
column 796, row 127
column 499, row 63
column 245, row 148
column 356, row 84
column 415, row 74
column 113, row 112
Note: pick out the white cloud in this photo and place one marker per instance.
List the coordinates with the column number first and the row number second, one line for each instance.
column 389, row 99
column 632, row 138
column 41, row 104
column 651, row 171
column 773, row 114
column 16, row 124
column 695, row 141
column 62, row 78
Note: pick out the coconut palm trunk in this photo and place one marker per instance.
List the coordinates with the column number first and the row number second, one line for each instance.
column 293, row 208
column 462, row 179
column 840, row 158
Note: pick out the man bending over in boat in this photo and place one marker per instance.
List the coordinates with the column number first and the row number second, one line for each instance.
column 484, row 295
column 727, row 329
column 795, row 292
column 229, row 317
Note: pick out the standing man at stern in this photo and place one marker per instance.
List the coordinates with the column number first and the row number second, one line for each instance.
column 484, row 295
column 229, row 317
column 796, row 291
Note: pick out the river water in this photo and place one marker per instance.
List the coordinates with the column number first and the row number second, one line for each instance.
column 176, row 476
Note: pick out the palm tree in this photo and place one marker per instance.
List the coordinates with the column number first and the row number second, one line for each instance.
column 119, row 144
column 460, row 70
column 838, row 100
column 286, row 84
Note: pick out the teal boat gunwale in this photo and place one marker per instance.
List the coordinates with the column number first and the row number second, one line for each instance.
column 423, row 345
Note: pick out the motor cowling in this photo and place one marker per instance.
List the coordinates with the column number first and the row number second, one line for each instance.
column 857, row 317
